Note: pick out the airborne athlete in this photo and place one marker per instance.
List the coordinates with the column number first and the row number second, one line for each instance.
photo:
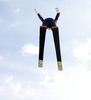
column 49, row 23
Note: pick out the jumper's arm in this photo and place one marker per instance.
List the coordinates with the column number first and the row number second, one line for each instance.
column 57, row 15
column 40, row 17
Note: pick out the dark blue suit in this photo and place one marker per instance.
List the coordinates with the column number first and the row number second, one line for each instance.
column 49, row 22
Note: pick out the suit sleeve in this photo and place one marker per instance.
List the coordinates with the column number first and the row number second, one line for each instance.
column 57, row 16
column 41, row 18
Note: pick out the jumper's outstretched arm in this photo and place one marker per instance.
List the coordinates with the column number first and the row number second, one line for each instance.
column 58, row 14
column 40, row 17
column 36, row 11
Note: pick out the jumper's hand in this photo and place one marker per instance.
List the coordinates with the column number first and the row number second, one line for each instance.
column 57, row 10
column 36, row 11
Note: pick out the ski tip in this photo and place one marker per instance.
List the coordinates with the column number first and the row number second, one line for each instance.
column 60, row 66
column 60, row 69
column 40, row 63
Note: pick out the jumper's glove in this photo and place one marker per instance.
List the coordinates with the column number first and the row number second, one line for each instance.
column 57, row 10
column 36, row 11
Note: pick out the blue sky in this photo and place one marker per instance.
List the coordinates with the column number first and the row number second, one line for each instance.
column 20, row 77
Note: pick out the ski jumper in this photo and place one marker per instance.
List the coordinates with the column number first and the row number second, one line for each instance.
column 49, row 23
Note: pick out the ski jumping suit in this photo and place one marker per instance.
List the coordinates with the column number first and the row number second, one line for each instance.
column 49, row 23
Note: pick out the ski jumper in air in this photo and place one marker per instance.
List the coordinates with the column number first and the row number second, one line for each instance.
column 49, row 23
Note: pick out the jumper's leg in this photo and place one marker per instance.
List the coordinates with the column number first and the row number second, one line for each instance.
column 57, row 46
column 41, row 44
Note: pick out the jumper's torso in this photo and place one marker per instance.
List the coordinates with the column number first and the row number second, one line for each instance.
column 49, row 22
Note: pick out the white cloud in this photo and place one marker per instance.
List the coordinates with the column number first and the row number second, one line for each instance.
column 1, row 91
column 16, row 87
column 83, row 51
column 73, row 83
column 1, row 57
column 30, row 49
column 9, row 79
column 48, row 81
column 69, row 84
column 17, row 11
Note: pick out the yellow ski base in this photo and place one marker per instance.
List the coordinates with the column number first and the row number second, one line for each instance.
column 43, row 26
column 40, row 63
column 60, row 65
column 54, row 27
